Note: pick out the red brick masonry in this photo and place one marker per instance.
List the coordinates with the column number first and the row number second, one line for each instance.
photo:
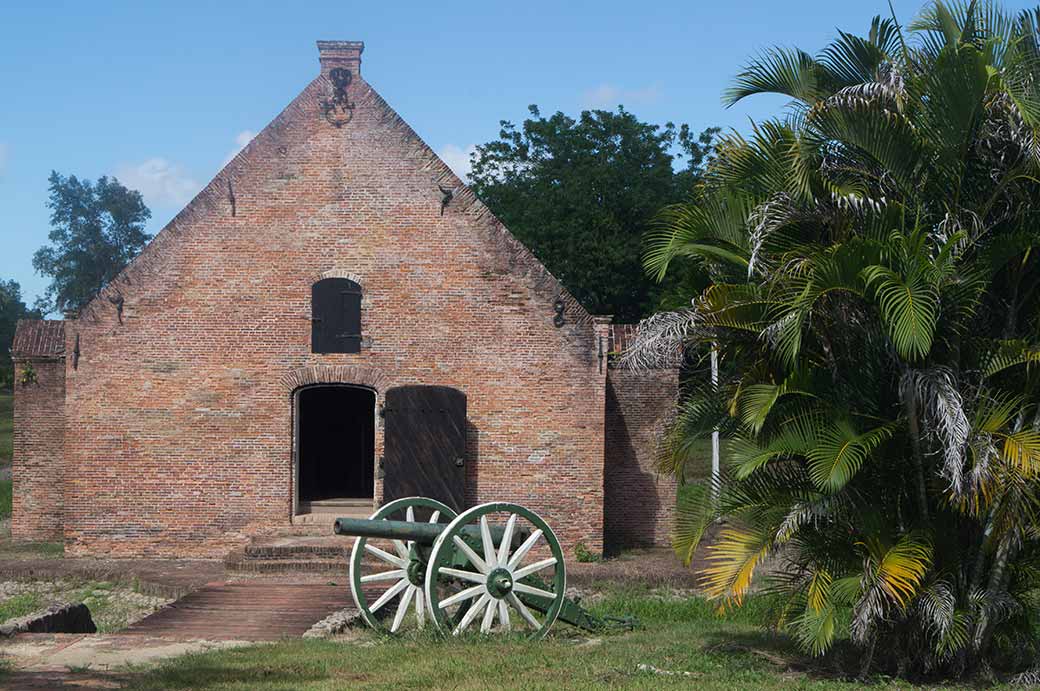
column 177, row 435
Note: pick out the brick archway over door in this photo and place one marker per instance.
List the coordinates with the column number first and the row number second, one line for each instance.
column 352, row 375
column 336, row 374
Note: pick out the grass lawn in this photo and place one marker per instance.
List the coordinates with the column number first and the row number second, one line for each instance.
column 5, row 499
column 683, row 639
column 112, row 605
column 19, row 606
column 6, row 427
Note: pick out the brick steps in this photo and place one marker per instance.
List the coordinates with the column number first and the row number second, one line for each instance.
column 314, row 552
column 329, row 566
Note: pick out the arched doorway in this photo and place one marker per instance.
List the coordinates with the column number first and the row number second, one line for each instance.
column 335, row 444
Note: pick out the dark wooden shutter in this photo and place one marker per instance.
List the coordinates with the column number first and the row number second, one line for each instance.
column 425, row 446
column 336, row 316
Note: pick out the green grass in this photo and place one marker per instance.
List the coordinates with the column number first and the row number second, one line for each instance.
column 5, row 499
column 24, row 550
column 19, row 606
column 676, row 636
column 6, row 427
column 107, row 601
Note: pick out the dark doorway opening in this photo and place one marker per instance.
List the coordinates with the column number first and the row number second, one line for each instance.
column 336, row 428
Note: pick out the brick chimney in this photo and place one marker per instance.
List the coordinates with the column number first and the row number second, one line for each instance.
column 345, row 54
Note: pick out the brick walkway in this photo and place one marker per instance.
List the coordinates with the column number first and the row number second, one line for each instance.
column 250, row 611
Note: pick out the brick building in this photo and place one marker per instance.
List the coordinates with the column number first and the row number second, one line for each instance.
column 334, row 320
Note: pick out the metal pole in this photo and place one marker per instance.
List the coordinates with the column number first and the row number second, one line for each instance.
column 715, row 432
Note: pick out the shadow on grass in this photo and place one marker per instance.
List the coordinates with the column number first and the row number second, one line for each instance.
column 773, row 649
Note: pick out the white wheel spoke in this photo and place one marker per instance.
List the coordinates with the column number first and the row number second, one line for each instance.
column 486, row 541
column 523, row 549
column 522, row 609
column 389, row 595
column 472, row 613
column 462, row 595
column 435, row 517
column 533, row 568
column 402, row 549
column 529, row 590
column 409, row 514
column 489, row 616
column 384, row 576
column 471, row 555
column 385, row 556
column 503, row 615
column 507, row 537
column 420, row 607
column 471, row 576
column 402, row 608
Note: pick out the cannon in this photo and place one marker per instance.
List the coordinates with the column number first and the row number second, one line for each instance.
column 494, row 568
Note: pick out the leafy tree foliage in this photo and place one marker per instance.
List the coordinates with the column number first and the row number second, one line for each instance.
column 874, row 264
column 12, row 308
column 582, row 193
column 96, row 229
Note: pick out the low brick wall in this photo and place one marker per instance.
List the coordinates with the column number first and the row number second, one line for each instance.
column 39, row 437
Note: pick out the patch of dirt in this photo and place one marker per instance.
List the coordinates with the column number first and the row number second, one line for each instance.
column 655, row 567
column 159, row 577
column 36, row 653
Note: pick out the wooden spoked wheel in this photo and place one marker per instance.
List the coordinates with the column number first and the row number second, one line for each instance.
column 387, row 575
column 497, row 567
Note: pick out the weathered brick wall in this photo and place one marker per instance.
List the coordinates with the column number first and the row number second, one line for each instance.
column 179, row 440
column 38, row 463
column 638, row 501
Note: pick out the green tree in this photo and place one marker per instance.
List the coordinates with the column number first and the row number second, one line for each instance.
column 96, row 229
column 582, row 193
column 874, row 268
column 12, row 308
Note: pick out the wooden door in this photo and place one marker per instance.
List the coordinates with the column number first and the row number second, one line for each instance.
column 425, row 447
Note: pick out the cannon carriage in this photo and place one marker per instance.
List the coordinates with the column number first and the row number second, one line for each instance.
column 494, row 568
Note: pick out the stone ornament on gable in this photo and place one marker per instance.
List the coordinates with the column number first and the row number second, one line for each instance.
column 339, row 110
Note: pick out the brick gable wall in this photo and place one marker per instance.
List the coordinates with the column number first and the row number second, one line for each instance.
column 179, row 434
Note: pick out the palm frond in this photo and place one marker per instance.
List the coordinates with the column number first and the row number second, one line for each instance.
column 790, row 72
column 839, row 451
column 909, row 307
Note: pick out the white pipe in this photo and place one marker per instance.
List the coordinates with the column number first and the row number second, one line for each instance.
column 715, row 432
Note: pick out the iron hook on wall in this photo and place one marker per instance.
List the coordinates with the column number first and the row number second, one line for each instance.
column 339, row 110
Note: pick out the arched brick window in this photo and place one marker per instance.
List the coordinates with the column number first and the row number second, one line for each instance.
column 336, row 316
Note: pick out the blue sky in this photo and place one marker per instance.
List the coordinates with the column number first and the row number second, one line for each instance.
column 163, row 94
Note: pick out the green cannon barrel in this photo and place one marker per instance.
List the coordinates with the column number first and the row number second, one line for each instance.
column 422, row 533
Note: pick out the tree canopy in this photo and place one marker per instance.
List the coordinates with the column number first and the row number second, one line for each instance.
column 96, row 229
column 873, row 261
column 581, row 193
column 12, row 308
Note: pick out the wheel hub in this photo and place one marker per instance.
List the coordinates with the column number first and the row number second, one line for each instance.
column 499, row 583
column 416, row 572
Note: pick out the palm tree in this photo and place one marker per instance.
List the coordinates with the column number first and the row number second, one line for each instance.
column 874, row 298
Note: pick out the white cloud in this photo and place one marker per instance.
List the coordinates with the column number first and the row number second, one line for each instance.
column 3, row 159
column 241, row 139
column 162, row 182
column 457, row 158
column 609, row 95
